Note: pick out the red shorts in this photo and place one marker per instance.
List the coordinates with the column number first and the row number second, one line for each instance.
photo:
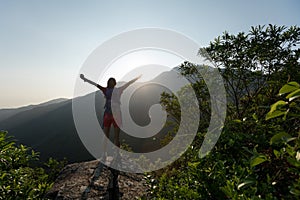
column 109, row 119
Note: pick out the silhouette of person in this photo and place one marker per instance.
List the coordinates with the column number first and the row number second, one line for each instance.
column 112, row 111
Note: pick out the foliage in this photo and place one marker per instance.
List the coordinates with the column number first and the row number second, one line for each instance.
column 18, row 179
column 257, row 155
column 263, row 59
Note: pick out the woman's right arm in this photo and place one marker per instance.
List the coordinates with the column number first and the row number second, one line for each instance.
column 91, row 82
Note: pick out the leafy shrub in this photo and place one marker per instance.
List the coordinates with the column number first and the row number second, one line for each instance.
column 18, row 179
column 257, row 155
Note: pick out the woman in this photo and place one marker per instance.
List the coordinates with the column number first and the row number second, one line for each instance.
column 112, row 106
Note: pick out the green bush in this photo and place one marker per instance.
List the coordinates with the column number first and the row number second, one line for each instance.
column 253, row 159
column 257, row 155
column 18, row 178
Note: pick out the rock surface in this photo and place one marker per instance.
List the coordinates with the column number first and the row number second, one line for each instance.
column 93, row 180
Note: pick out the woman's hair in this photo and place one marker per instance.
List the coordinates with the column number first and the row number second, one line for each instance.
column 111, row 82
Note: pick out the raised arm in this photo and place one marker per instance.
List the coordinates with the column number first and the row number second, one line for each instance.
column 123, row 87
column 91, row 82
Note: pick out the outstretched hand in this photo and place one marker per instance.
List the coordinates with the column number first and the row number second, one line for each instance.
column 139, row 77
column 135, row 79
column 82, row 77
column 89, row 81
column 130, row 82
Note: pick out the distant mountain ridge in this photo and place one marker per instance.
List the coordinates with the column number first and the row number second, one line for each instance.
column 9, row 112
column 49, row 127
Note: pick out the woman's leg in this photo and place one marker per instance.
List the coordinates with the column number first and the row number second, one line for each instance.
column 117, row 122
column 106, row 132
column 117, row 135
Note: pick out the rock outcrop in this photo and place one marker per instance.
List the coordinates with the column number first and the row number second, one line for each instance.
column 93, row 180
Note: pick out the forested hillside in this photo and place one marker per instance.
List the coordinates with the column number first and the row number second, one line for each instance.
column 257, row 155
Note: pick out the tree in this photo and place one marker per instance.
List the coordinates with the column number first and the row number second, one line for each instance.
column 257, row 155
column 263, row 59
column 19, row 179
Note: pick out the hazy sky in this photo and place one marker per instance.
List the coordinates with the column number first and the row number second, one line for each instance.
column 43, row 44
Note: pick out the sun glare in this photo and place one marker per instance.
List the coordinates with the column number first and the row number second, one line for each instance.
column 148, row 63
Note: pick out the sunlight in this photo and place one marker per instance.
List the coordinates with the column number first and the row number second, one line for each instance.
column 150, row 63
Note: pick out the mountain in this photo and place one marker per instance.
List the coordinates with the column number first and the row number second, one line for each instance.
column 49, row 128
column 9, row 112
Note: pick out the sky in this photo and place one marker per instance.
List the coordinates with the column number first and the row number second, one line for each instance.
column 43, row 44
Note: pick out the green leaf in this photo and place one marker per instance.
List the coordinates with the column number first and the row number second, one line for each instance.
column 255, row 117
column 293, row 95
column 291, row 139
column 274, row 114
column 245, row 183
column 295, row 192
column 258, row 160
column 237, row 121
column 2, row 176
column 276, row 153
column 279, row 138
column 289, row 87
column 193, row 164
column 293, row 161
column 277, row 104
